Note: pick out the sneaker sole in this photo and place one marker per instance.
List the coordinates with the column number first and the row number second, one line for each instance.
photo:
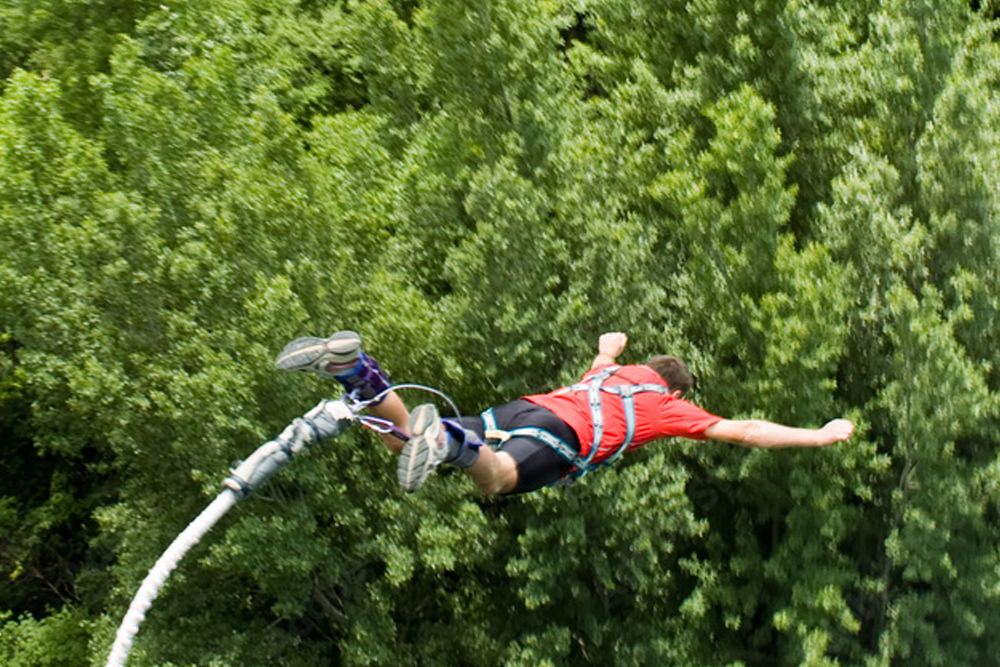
column 312, row 354
column 422, row 452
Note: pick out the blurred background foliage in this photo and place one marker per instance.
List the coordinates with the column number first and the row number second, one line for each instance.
column 798, row 197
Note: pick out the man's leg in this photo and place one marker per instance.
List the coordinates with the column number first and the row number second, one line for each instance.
column 494, row 472
column 436, row 441
column 393, row 409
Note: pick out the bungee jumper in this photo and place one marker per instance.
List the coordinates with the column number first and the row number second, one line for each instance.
column 542, row 439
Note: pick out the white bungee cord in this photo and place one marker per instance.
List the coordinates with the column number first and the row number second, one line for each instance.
column 161, row 570
column 327, row 419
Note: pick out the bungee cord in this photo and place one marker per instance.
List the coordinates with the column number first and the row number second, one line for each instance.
column 327, row 419
column 161, row 570
column 431, row 390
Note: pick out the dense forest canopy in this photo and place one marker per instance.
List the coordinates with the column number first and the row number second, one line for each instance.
column 798, row 197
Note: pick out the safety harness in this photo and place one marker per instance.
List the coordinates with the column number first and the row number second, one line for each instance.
column 595, row 387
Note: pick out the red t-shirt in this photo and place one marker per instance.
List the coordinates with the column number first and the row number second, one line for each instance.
column 656, row 415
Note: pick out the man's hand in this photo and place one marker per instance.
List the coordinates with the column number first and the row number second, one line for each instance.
column 612, row 344
column 609, row 346
column 837, row 430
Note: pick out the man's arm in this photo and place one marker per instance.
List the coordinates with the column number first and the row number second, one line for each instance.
column 609, row 346
column 760, row 433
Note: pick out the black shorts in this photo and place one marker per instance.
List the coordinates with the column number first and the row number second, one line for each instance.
column 538, row 464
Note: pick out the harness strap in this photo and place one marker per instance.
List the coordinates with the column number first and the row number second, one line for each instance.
column 496, row 436
column 594, row 387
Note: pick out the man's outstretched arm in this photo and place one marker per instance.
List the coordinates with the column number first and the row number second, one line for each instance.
column 760, row 433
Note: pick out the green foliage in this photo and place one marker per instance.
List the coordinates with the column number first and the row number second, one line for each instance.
column 799, row 198
column 58, row 640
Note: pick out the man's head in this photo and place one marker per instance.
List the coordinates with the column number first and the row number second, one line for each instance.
column 673, row 371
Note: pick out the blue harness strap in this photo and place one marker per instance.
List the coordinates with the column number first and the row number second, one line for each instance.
column 595, row 387
column 496, row 436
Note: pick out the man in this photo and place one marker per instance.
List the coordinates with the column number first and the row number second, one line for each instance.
column 543, row 438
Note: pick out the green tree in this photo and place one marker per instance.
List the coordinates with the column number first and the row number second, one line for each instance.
column 57, row 270
column 796, row 197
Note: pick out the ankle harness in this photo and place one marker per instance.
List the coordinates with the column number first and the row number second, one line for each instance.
column 595, row 388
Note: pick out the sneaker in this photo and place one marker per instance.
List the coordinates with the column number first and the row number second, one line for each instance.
column 330, row 357
column 425, row 450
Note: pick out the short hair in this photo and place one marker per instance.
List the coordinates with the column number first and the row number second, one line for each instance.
column 673, row 371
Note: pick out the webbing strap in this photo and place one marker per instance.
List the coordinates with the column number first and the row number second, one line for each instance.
column 490, row 424
column 594, row 386
column 596, row 413
column 493, row 433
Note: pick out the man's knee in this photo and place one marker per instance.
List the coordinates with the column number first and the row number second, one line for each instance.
column 502, row 477
column 492, row 487
column 498, row 485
